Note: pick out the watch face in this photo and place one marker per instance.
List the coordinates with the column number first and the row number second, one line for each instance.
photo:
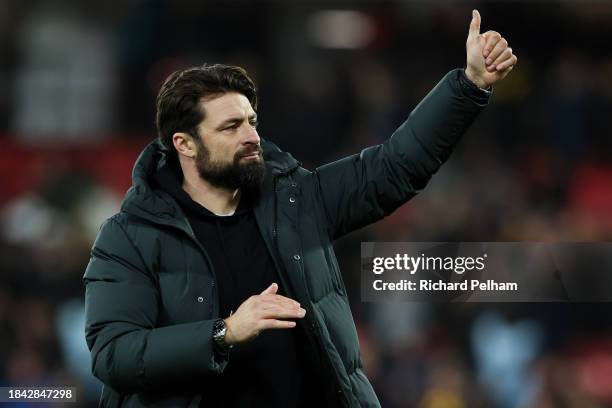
column 219, row 330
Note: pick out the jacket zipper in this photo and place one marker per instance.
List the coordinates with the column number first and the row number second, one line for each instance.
column 315, row 328
column 215, row 294
column 275, row 228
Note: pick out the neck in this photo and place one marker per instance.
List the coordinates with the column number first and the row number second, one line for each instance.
column 219, row 201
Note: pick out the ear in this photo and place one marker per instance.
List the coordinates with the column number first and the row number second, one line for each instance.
column 184, row 144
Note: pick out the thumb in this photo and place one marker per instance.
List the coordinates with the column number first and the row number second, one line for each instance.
column 270, row 290
column 475, row 24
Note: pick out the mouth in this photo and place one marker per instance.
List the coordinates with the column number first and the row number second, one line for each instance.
column 251, row 156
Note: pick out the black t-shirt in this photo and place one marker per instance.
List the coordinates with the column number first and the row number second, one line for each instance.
column 270, row 370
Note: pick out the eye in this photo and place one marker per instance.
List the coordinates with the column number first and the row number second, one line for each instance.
column 254, row 123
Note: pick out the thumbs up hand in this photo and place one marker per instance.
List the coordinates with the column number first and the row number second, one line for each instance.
column 489, row 58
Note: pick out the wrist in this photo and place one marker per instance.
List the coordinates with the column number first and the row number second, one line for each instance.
column 229, row 331
column 219, row 335
column 472, row 77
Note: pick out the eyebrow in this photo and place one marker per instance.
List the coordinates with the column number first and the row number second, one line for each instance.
column 234, row 120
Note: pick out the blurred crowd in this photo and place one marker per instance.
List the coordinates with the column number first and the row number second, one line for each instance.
column 77, row 87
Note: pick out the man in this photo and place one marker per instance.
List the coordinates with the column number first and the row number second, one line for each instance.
column 217, row 284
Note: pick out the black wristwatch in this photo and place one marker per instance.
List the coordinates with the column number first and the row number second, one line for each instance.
column 218, row 334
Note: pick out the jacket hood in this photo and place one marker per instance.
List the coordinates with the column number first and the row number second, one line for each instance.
column 144, row 201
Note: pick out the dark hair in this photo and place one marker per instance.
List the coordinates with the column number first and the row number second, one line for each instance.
column 178, row 100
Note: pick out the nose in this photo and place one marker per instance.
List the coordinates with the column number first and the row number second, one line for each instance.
column 251, row 136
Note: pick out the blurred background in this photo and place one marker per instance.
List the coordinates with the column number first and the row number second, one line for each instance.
column 78, row 81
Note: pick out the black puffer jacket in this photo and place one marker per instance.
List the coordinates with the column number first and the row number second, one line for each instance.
column 150, row 288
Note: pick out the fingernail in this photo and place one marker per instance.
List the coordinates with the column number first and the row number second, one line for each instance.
column 302, row 312
column 489, row 61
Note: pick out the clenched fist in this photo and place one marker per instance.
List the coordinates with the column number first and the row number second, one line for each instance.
column 489, row 58
column 261, row 312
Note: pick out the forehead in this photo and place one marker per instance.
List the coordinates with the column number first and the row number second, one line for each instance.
column 227, row 105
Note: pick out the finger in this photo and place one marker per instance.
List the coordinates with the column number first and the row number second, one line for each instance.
column 509, row 63
column 271, row 309
column 503, row 57
column 283, row 313
column 492, row 38
column 281, row 300
column 499, row 48
column 275, row 310
column 276, row 324
column 474, row 24
column 270, row 289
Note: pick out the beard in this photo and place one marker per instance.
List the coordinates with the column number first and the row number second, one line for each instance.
column 247, row 176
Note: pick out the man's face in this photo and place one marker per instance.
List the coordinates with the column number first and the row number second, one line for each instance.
column 229, row 153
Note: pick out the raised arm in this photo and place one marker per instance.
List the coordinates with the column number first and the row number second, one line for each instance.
column 360, row 189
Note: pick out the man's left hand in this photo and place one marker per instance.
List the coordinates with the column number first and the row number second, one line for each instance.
column 489, row 58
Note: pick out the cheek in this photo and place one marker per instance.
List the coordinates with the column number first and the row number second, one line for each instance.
column 229, row 153
column 221, row 152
